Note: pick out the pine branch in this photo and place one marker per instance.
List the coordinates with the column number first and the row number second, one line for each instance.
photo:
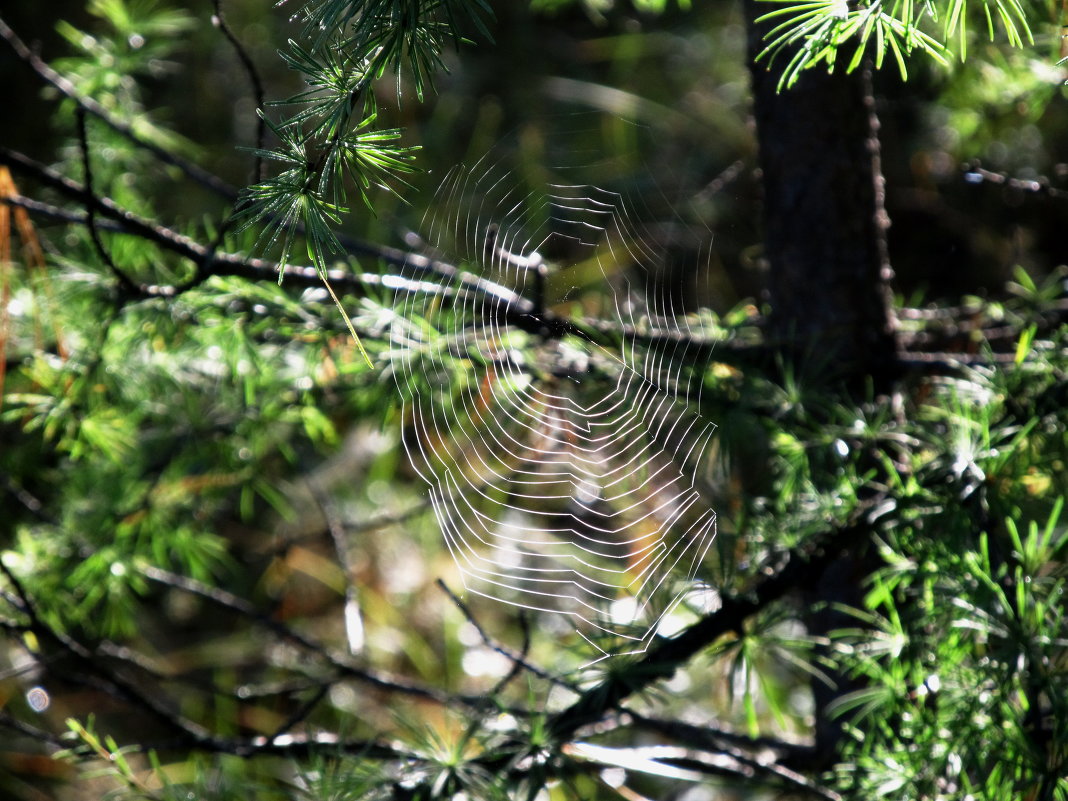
column 449, row 280
column 514, row 307
column 256, row 269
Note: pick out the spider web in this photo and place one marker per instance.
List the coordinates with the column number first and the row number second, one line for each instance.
column 564, row 469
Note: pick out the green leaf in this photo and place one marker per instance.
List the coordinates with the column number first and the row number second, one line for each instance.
column 1023, row 346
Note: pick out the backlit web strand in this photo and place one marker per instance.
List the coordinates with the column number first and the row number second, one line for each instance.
column 563, row 473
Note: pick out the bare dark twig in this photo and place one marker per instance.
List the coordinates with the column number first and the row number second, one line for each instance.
column 254, row 269
column 454, row 281
column 738, row 765
column 108, row 680
column 302, row 712
column 517, row 659
column 125, row 283
column 275, row 689
column 726, row 177
column 355, row 527
column 975, row 173
column 343, row 665
column 24, row 497
column 219, row 20
column 34, row 733
column 951, row 362
column 449, row 281
column 524, row 652
column 336, row 529
column 298, row 746
column 714, row 737
column 741, row 749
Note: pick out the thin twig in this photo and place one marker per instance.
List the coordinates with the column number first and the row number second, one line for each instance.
column 489, row 642
column 739, row 747
column 300, row 746
column 302, row 712
column 219, row 20
column 25, row 729
column 24, row 497
column 354, row 527
column 736, row 764
column 111, row 681
column 514, row 308
column 713, row 737
column 254, row 269
column 975, row 173
column 518, row 665
column 729, row 174
column 336, row 529
column 342, row 664
column 127, row 285
column 952, row 362
column 449, row 279
column 275, row 689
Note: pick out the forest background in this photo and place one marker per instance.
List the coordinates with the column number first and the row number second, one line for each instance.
column 221, row 578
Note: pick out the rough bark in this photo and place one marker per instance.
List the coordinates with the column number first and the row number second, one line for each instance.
column 825, row 245
column 825, row 224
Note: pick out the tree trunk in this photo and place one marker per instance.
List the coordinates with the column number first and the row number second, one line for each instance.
column 825, row 244
column 825, row 225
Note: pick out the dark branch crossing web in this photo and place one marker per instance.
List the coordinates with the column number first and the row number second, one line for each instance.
column 563, row 460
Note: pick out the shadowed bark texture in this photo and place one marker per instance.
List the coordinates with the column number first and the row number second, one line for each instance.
column 825, row 225
column 829, row 280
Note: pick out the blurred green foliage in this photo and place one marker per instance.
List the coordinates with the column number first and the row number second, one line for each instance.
column 219, row 574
